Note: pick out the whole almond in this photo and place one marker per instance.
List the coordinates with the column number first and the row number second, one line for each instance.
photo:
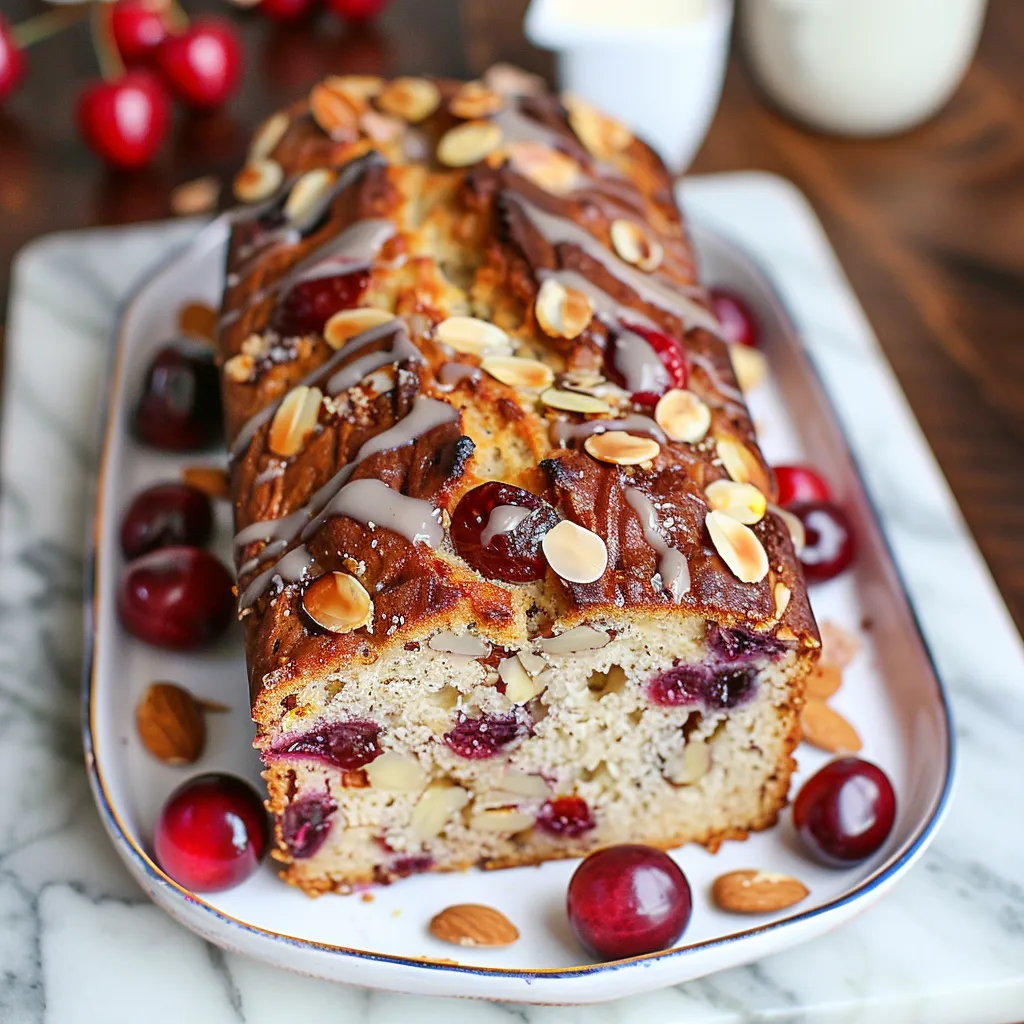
column 213, row 481
column 757, row 892
column 195, row 197
column 827, row 730
column 822, row 681
column 170, row 724
column 838, row 647
column 473, row 924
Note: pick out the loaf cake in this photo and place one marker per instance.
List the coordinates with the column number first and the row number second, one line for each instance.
column 511, row 579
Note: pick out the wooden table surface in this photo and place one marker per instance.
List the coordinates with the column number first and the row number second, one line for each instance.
column 930, row 225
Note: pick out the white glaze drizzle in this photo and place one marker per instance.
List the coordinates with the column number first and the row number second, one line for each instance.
column 672, row 565
column 291, row 569
column 374, row 504
column 725, row 390
column 451, row 374
column 562, row 432
column 503, row 519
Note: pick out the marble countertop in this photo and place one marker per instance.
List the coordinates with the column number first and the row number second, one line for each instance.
column 79, row 943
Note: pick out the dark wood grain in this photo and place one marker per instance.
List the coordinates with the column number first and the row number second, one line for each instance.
column 929, row 226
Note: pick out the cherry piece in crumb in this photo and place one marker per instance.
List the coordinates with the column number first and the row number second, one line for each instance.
column 212, row 833
column 12, row 61
column 845, row 812
column 310, row 304
column 125, row 121
column 202, row 65
column 178, row 598
column 566, row 816
column 479, row 738
column 166, row 515
column 739, row 325
column 180, row 406
column 628, row 900
column 478, row 532
column 830, row 545
column 800, row 483
column 138, row 28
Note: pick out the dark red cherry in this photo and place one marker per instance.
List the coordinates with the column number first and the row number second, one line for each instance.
column 491, row 532
column 567, row 816
column 628, row 900
column 12, row 61
column 800, row 483
column 306, row 823
column 739, row 325
column 310, row 304
column 347, row 745
column 124, row 121
column 845, row 812
column 166, row 515
column 478, row 738
column 176, row 597
column 138, row 27
column 202, row 65
column 669, row 351
column 715, row 686
column 212, row 833
column 830, row 545
column 180, row 409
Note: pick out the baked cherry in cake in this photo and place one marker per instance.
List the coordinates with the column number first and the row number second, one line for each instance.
column 739, row 325
column 308, row 305
column 567, row 816
column 800, row 483
column 671, row 354
column 829, row 546
column 166, row 515
column 346, row 745
column 628, row 900
column 483, row 737
column 306, row 823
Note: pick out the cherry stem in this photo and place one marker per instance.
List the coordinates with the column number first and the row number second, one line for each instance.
column 177, row 19
column 107, row 56
column 48, row 24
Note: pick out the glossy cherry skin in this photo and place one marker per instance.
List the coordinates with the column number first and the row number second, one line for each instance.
column 203, row 65
column 138, row 28
column 356, row 10
column 845, row 812
column 285, row 10
column 739, row 325
column 12, row 62
column 830, row 544
column 310, row 304
column 180, row 408
column 515, row 556
column 668, row 350
column 800, row 483
column 179, row 598
column 628, row 900
column 124, row 122
column 166, row 515
column 212, row 833
column 565, row 816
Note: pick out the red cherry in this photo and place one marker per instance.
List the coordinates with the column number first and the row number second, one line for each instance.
column 138, row 28
column 124, row 122
column 212, row 833
column 800, row 483
column 356, row 10
column 12, row 61
column 347, row 745
column 202, row 65
column 739, row 325
column 285, row 10
column 628, row 900
column 178, row 598
column 829, row 547
column 166, row 515
column 845, row 812
column 567, row 816
column 513, row 555
column 479, row 738
column 666, row 348
column 310, row 304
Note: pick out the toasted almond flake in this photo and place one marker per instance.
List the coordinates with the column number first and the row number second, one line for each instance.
column 194, row 197
column 757, row 892
column 690, row 764
column 268, row 135
column 254, row 346
column 575, row 554
column 562, row 312
column 600, row 134
column 548, row 169
column 741, row 463
column 239, row 369
column 749, row 365
column 380, row 127
column 794, row 527
column 574, row 401
column 824, row 728
column 357, row 87
column 473, row 337
column 474, row 99
column 683, row 416
column 822, row 682
column 838, row 646
column 511, row 80
column 738, row 546
column 521, row 784
column 517, row 372
column 785, row 633
column 198, row 320
column 575, row 640
column 411, row 99
column 472, row 924
column 336, row 113
column 295, row 420
column 306, row 196
column 520, row 686
column 257, row 180
column 502, row 819
column 396, row 772
column 213, row 481
column 533, row 663
column 744, row 502
column 468, row 143
column 337, row 602
column 782, row 594
column 632, row 244
column 346, row 324
column 435, row 809
column 621, row 448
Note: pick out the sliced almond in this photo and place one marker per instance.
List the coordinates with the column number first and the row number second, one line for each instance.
column 336, row 113
column 502, row 819
column 268, row 135
column 307, row 197
column 562, row 312
column 380, row 127
column 511, row 80
column 575, row 554
column 621, row 448
column 337, row 602
column 240, row 368
column 794, row 527
column 435, row 809
column 213, row 481
column 474, row 99
column 472, row 336
column 533, row 663
column 690, row 764
column 683, row 416
column 198, row 320
column 254, row 346
column 345, row 325
column 574, row 401
column 575, row 641
column 822, row 682
column 757, row 892
column 521, row 784
column 744, row 502
column 468, row 143
column 472, row 924
column 411, row 99
column 826, row 729
column 396, row 772
column 519, row 373
column 741, row 463
column 257, row 180
column 195, row 197
column 356, row 87
column 749, row 365
column 838, row 647
column 632, row 244
column 602, row 136
column 782, row 595
column 295, row 420
column 520, row 686
column 738, row 546
column 548, row 168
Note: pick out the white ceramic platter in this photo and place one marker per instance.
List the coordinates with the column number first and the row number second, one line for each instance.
column 890, row 693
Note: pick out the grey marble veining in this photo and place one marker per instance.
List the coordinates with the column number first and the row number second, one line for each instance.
column 80, row 944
